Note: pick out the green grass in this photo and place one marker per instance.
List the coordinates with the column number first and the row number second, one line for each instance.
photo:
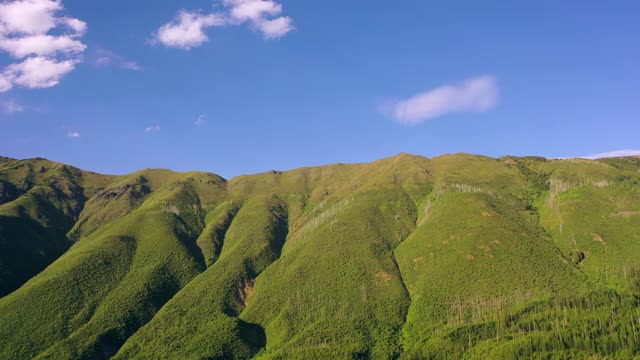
column 459, row 256
column 115, row 278
column 202, row 320
column 39, row 202
column 595, row 221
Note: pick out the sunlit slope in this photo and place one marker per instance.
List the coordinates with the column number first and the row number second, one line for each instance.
column 298, row 206
column 40, row 201
column 477, row 251
column 459, row 256
column 336, row 291
column 493, row 281
column 592, row 209
column 112, row 281
column 202, row 320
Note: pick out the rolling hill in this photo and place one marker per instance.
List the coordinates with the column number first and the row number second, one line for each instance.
column 454, row 257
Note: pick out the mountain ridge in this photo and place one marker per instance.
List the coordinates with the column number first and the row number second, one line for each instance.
column 398, row 155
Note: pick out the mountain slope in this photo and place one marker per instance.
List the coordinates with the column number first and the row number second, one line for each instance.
column 457, row 256
column 116, row 277
column 477, row 251
column 39, row 202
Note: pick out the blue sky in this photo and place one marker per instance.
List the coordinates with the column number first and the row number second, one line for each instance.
column 116, row 86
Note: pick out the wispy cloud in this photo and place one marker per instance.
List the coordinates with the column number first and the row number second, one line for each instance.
column 187, row 29
column 44, row 41
column 11, row 107
column 102, row 57
column 200, row 120
column 73, row 134
column 476, row 94
column 131, row 65
column 152, row 129
column 616, row 153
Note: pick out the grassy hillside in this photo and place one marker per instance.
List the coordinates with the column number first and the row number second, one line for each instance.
column 39, row 202
column 592, row 209
column 459, row 256
column 114, row 279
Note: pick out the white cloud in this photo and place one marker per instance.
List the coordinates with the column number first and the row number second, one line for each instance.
column 103, row 57
column 616, row 153
column 276, row 28
column 187, row 29
column 200, row 120
column 152, row 129
column 40, row 45
column 73, row 134
column 38, row 72
column 475, row 94
column 78, row 26
column 5, row 84
column 263, row 16
column 28, row 17
column 25, row 27
column 255, row 10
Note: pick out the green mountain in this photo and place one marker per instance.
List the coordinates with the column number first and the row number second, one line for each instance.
column 454, row 257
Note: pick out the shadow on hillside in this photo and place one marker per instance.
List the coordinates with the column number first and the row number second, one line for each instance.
column 107, row 345
column 26, row 248
column 190, row 243
column 253, row 335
